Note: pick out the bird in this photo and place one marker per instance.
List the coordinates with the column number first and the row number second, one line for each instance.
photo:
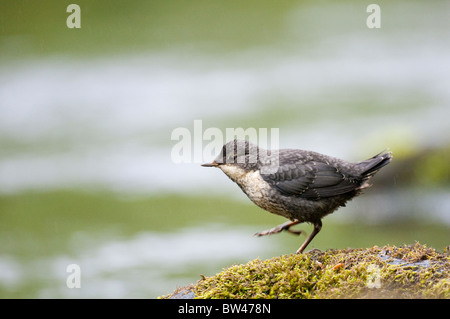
column 300, row 185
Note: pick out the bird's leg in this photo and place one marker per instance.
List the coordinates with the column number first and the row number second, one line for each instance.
column 317, row 228
column 278, row 229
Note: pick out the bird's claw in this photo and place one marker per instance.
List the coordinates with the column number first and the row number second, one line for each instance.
column 279, row 229
column 266, row 232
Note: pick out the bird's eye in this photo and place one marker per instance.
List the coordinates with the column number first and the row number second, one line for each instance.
column 231, row 158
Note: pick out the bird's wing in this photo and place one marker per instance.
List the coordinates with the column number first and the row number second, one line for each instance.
column 311, row 179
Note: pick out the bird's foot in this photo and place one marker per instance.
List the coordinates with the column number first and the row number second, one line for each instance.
column 278, row 229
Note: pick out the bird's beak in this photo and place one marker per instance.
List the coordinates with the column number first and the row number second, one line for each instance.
column 212, row 164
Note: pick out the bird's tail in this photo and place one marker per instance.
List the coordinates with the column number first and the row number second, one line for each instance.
column 369, row 167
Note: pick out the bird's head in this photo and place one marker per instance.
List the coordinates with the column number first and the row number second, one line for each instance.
column 237, row 153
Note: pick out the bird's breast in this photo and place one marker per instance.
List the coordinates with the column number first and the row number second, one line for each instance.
column 250, row 182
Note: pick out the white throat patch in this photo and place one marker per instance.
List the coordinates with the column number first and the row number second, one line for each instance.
column 234, row 172
column 250, row 182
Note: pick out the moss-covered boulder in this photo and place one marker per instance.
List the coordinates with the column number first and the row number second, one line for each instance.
column 413, row 271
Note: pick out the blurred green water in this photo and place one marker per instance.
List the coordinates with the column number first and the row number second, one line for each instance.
column 45, row 232
column 111, row 27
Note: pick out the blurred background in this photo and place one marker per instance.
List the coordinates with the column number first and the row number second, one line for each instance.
column 86, row 117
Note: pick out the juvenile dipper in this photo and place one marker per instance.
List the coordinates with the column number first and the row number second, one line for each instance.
column 303, row 186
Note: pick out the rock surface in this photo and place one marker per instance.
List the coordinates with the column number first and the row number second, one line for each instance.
column 409, row 271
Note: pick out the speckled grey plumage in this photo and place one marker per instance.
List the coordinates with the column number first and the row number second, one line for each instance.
column 303, row 186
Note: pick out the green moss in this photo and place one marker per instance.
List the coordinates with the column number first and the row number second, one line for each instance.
column 413, row 271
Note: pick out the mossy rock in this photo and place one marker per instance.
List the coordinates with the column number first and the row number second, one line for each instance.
column 413, row 271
